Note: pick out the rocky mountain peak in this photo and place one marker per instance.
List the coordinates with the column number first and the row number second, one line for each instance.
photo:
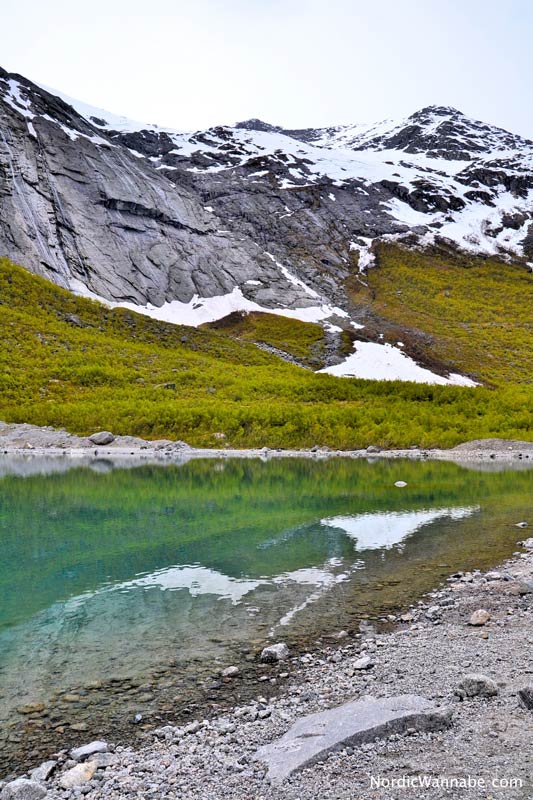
column 257, row 125
column 191, row 226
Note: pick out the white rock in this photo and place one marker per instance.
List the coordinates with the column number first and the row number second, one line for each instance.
column 479, row 617
column 474, row 685
column 230, row 672
column 363, row 663
column 400, row 484
column 274, row 653
column 78, row 775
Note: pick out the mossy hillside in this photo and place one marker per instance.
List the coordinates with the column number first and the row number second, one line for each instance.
column 476, row 312
column 116, row 369
column 304, row 341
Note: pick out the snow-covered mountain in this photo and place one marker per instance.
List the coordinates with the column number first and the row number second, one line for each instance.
column 189, row 227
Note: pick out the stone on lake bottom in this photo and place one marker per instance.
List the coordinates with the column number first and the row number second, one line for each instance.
column 311, row 738
column 230, row 672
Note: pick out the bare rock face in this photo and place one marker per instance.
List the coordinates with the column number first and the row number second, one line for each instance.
column 81, row 209
column 282, row 217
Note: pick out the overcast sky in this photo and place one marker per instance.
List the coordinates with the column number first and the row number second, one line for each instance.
column 189, row 64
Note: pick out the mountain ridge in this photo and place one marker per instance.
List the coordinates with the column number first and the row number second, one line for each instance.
column 191, row 227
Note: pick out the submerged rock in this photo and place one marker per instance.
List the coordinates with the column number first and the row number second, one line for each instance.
column 230, row 672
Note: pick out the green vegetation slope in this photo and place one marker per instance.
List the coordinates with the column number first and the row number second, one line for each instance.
column 68, row 361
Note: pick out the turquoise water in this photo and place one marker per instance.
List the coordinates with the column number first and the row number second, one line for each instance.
column 130, row 587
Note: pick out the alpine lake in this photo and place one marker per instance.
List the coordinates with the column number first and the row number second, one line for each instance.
column 125, row 589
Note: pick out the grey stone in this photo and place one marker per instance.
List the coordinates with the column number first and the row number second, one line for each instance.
column 527, row 543
column 43, row 771
column 87, row 750
column 274, row 653
column 477, row 685
column 312, row 737
column 479, row 617
column 526, row 696
column 23, row 789
column 363, row 663
column 104, row 760
column 230, row 672
column 102, row 438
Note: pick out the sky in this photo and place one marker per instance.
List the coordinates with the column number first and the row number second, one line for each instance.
column 190, row 64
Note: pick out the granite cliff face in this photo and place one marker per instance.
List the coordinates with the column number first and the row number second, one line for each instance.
column 245, row 217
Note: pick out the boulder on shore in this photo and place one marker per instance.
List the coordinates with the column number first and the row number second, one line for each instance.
column 102, row 438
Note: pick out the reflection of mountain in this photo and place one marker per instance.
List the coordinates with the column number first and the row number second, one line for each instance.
column 68, row 534
column 371, row 531
column 178, row 610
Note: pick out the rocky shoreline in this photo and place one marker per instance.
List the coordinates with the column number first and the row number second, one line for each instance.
column 23, row 439
column 465, row 648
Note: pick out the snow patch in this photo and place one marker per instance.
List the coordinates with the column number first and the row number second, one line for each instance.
column 387, row 363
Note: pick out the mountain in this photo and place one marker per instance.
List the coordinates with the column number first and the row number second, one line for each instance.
column 192, row 227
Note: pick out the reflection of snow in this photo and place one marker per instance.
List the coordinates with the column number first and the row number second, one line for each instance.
column 323, row 580
column 370, row 531
column 386, row 529
column 198, row 580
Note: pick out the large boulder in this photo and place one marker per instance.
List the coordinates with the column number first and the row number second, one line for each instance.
column 102, row 438
column 23, row 789
column 313, row 737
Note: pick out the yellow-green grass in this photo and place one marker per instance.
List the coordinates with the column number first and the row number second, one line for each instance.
column 135, row 375
column 304, row 341
column 477, row 311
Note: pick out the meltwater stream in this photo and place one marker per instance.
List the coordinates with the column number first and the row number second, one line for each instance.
column 124, row 591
